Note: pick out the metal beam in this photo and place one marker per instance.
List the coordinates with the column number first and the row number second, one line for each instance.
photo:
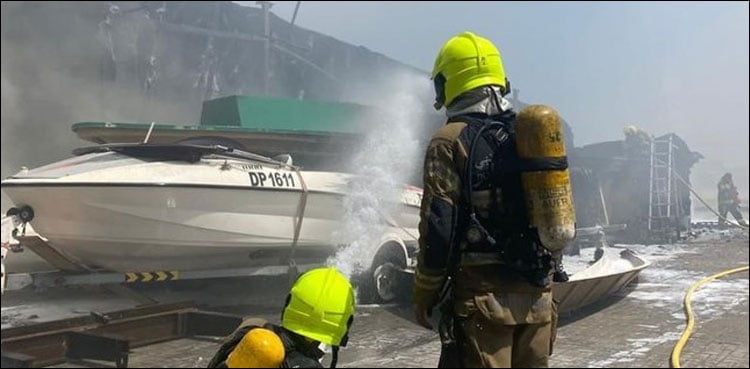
column 183, row 28
column 104, row 347
column 247, row 37
column 110, row 336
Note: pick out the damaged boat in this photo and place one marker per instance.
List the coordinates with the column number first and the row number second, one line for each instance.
column 195, row 198
column 187, row 207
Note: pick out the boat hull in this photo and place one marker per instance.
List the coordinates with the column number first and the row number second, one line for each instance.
column 116, row 212
column 117, row 227
column 138, row 227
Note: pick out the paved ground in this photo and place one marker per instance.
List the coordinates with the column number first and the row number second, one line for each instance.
column 642, row 326
column 637, row 328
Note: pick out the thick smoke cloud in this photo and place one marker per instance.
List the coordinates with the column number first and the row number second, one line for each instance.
column 68, row 62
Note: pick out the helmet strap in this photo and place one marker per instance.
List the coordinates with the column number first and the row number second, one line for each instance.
column 345, row 339
column 334, row 356
column 496, row 99
column 286, row 304
column 439, row 81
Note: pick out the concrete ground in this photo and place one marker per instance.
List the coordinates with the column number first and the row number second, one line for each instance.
column 636, row 328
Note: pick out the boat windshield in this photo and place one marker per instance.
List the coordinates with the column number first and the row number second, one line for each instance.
column 175, row 152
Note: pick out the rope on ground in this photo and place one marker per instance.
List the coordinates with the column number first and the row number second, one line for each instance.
column 675, row 358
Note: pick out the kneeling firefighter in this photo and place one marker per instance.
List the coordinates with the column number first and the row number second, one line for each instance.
column 496, row 213
column 319, row 310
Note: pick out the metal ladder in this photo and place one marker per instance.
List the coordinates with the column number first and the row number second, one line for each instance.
column 663, row 208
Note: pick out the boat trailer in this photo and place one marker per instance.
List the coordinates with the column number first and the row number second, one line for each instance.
column 69, row 272
column 80, row 276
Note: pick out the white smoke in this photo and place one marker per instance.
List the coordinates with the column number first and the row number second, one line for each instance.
column 52, row 77
column 389, row 157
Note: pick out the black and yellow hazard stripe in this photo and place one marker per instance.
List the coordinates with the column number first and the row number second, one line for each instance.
column 157, row 276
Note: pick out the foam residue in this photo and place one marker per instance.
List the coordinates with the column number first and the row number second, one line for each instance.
column 583, row 267
column 662, row 287
column 636, row 348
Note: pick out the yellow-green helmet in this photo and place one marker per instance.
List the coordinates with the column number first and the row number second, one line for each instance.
column 466, row 62
column 320, row 306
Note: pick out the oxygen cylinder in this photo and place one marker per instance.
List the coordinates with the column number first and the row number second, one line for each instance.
column 544, row 176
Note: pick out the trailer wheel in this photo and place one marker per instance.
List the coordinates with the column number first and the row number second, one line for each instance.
column 385, row 279
column 383, row 282
column 26, row 214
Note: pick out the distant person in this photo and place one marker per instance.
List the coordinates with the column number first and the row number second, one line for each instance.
column 319, row 310
column 729, row 200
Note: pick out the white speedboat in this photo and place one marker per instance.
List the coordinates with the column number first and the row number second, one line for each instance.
column 141, row 207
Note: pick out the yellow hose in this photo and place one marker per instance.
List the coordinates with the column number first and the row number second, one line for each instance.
column 675, row 358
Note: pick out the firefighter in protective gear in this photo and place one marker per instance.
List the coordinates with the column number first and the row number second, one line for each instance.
column 498, row 311
column 320, row 307
column 729, row 200
column 319, row 310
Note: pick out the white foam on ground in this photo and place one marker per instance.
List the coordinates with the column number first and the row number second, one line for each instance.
column 637, row 347
column 719, row 296
column 664, row 287
column 701, row 214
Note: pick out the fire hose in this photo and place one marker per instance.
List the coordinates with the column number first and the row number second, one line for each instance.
column 677, row 350
column 675, row 357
